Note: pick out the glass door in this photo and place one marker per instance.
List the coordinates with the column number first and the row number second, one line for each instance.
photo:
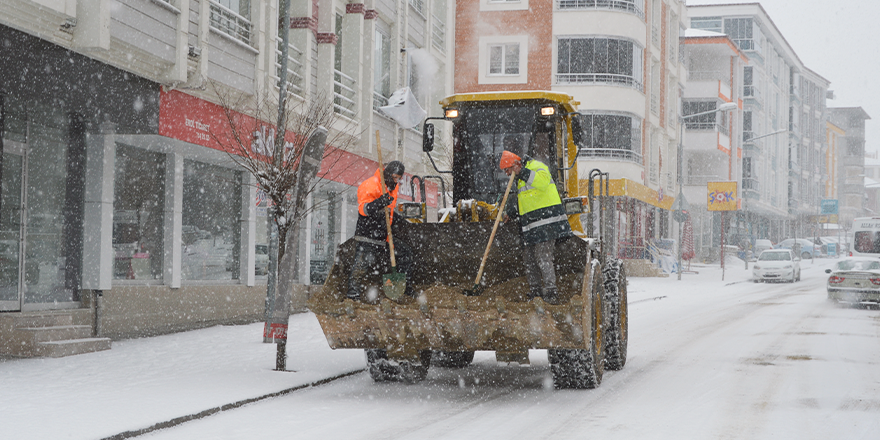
column 10, row 231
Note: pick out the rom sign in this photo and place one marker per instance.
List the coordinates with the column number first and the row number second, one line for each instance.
column 721, row 196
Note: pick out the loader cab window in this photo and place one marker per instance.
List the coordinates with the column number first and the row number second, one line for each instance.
column 483, row 134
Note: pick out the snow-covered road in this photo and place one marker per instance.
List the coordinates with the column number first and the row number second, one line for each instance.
column 707, row 359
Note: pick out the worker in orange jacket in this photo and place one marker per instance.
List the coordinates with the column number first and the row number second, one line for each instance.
column 371, row 233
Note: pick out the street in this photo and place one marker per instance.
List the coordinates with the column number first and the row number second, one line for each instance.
column 707, row 359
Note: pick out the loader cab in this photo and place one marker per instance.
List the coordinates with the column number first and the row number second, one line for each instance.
column 483, row 130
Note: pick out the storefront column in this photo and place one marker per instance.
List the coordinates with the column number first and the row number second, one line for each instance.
column 248, row 229
column 98, row 255
column 173, row 219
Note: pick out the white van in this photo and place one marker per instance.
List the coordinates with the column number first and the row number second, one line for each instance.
column 866, row 237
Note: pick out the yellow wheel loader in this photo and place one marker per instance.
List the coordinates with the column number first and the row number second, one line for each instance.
column 585, row 333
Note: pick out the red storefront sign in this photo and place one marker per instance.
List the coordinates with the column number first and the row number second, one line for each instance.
column 190, row 119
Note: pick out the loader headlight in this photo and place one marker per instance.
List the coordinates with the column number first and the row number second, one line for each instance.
column 451, row 113
column 548, row 111
column 573, row 206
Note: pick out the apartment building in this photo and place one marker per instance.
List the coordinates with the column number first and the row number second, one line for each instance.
column 850, row 170
column 782, row 123
column 621, row 60
column 713, row 149
column 119, row 213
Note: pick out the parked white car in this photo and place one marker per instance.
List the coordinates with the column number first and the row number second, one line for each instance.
column 855, row 281
column 777, row 265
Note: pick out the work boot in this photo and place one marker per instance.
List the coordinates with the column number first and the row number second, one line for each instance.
column 534, row 293
column 551, row 296
column 353, row 295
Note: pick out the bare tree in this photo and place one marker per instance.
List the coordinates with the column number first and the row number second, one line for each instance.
column 285, row 175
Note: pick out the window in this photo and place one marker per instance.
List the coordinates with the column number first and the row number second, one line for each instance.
column 211, row 230
column 713, row 24
column 599, row 60
column 610, row 135
column 702, row 122
column 744, row 33
column 232, row 17
column 381, row 69
column 636, row 7
column 504, row 59
column 138, row 214
column 418, row 5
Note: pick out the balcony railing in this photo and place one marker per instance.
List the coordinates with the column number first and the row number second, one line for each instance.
column 379, row 101
column 344, row 94
column 696, row 180
column 294, row 68
column 748, row 44
column 229, row 22
column 612, row 153
column 707, row 75
column 418, row 5
column 635, row 7
column 438, row 34
column 599, row 78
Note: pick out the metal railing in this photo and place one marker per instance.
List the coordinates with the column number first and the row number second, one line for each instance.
column 229, row 22
column 655, row 103
column 294, row 68
column 438, row 33
column 344, row 94
column 612, row 153
column 419, row 5
column 599, row 78
column 635, row 7
column 379, row 100
column 707, row 75
column 748, row 44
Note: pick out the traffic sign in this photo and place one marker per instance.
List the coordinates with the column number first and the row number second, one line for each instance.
column 828, row 207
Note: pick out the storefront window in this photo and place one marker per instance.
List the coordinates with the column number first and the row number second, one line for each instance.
column 211, row 231
column 138, row 211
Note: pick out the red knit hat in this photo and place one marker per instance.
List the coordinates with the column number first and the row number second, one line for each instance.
column 508, row 159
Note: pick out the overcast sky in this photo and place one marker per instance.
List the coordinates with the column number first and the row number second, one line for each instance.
column 839, row 40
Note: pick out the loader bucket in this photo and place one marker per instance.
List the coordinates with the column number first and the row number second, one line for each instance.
column 446, row 259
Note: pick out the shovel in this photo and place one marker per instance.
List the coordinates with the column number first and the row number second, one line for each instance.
column 394, row 283
column 478, row 290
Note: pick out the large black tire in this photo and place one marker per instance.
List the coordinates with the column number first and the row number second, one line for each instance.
column 617, row 319
column 383, row 369
column 583, row 368
column 452, row 359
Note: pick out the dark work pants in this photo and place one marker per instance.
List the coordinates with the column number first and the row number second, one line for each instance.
column 368, row 258
column 540, row 270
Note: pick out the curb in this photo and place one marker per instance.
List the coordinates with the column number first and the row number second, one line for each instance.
column 229, row 406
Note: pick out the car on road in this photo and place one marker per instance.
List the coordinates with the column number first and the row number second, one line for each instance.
column 855, row 280
column 807, row 249
column 777, row 265
column 761, row 245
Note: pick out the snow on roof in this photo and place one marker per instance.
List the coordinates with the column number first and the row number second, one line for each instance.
column 871, row 183
column 702, row 33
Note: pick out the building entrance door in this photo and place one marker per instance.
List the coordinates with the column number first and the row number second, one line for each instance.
column 10, row 231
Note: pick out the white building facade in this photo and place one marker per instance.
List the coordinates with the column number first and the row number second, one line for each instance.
column 111, row 187
column 782, row 128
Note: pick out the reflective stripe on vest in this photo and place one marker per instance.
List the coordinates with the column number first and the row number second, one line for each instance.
column 544, row 222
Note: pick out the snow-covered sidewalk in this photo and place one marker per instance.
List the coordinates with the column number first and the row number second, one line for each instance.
column 143, row 382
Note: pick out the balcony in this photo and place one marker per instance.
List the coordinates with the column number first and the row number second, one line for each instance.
column 693, row 180
column 751, row 47
column 611, row 153
column 228, row 22
column 635, row 7
column 344, row 95
column 752, row 96
column 854, row 188
column 751, row 188
column 599, row 78
column 294, row 68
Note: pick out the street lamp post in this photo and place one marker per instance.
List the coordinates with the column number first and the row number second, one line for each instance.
column 746, row 212
column 727, row 106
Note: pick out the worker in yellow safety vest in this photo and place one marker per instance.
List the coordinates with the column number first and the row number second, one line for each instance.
column 543, row 221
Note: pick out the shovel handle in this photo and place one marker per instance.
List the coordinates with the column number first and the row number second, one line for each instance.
column 495, row 228
column 387, row 214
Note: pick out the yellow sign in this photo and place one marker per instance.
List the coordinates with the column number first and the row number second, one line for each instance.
column 722, row 196
column 829, row 218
